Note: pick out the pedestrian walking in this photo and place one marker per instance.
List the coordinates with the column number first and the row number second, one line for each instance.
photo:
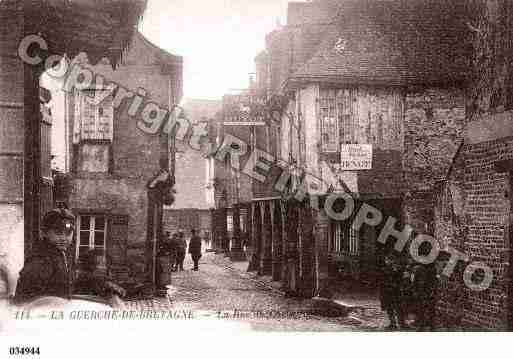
column 195, row 249
column 391, row 296
column 425, row 282
column 181, row 246
column 49, row 270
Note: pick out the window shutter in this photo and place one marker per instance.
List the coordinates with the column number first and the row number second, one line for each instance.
column 117, row 246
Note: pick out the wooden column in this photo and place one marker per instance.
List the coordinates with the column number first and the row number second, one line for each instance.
column 277, row 244
column 222, row 233
column 256, row 238
column 291, row 279
column 237, row 252
column 307, row 254
column 249, row 224
column 266, row 260
column 283, row 243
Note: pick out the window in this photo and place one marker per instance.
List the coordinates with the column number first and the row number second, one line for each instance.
column 92, row 235
column 93, row 131
column 229, row 223
column 328, row 116
column 336, row 107
column 344, row 239
column 93, row 121
column 243, row 220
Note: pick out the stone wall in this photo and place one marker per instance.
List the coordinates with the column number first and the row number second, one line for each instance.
column 474, row 205
column 136, row 155
column 434, row 120
column 472, row 215
column 113, row 198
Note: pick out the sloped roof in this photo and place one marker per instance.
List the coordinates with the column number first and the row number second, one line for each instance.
column 161, row 55
column 98, row 27
column 290, row 47
column 392, row 42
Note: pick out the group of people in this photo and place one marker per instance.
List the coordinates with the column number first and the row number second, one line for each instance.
column 408, row 287
column 175, row 247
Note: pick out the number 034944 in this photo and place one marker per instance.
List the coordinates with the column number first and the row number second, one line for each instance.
column 24, row 351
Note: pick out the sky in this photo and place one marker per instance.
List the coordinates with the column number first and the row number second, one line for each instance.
column 218, row 39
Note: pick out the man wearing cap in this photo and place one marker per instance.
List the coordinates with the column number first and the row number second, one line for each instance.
column 48, row 272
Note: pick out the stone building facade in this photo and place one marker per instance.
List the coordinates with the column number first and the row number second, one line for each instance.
column 444, row 159
column 230, row 189
column 113, row 161
column 193, row 202
column 61, row 25
column 359, row 83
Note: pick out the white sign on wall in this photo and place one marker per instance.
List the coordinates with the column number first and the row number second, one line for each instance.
column 355, row 157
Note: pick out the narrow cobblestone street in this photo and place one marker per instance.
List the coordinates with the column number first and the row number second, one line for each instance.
column 218, row 291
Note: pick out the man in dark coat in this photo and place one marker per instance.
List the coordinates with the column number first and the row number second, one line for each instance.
column 195, row 249
column 48, row 271
column 390, row 293
column 181, row 247
column 424, row 284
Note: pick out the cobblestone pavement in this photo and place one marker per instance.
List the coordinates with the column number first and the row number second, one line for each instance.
column 218, row 291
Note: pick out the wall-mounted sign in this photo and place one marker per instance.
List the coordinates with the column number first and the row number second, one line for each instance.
column 355, row 157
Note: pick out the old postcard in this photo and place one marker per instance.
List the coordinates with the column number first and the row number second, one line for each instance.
column 253, row 166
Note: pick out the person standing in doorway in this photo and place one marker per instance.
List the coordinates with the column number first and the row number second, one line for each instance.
column 195, row 249
column 181, row 246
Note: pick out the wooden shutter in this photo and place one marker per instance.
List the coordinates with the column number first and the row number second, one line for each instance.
column 117, row 246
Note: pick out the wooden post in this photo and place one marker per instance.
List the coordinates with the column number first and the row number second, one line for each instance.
column 237, row 252
column 277, row 244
